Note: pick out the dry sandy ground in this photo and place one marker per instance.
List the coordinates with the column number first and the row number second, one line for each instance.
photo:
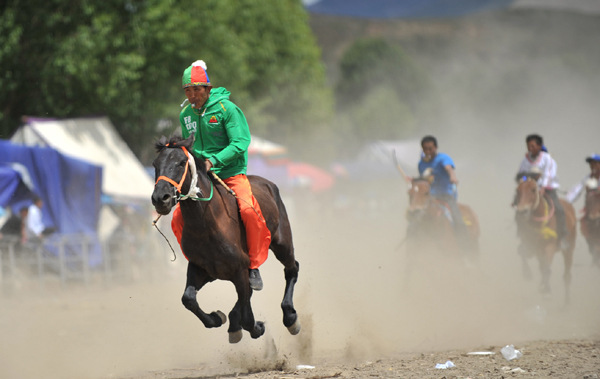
column 542, row 359
column 355, row 307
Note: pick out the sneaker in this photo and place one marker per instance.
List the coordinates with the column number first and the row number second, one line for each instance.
column 256, row 282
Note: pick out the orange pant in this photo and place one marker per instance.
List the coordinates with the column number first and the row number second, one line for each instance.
column 258, row 236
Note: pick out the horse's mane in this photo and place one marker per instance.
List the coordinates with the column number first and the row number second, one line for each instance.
column 173, row 141
column 421, row 179
column 526, row 175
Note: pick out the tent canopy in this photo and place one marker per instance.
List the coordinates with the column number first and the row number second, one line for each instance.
column 376, row 160
column 265, row 147
column 94, row 140
column 423, row 9
column 13, row 189
column 69, row 188
column 409, row 9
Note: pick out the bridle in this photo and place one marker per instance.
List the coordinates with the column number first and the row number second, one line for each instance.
column 429, row 200
column 538, row 198
column 194, row 190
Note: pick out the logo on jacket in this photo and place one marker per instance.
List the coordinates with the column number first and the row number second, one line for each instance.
column 213, row 120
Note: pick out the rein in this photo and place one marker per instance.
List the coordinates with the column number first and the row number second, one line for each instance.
column 548, row 215
column 193, row 190
column 193, row 186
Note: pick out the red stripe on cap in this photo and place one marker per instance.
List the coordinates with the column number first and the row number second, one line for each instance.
column 198, row 75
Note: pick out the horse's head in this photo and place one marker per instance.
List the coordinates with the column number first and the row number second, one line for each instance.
column 172, row 172
column 419, row 196
column 592, row 199
column 528, row 195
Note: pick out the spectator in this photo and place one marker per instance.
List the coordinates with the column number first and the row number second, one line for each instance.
column 15, row 225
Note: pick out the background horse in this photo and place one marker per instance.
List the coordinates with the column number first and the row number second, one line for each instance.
column 430, row 225
column 590, row 222
column 536, row 227
column 214, row 237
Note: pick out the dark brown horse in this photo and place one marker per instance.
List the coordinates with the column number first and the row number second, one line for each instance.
column 214, row 237
column 590, row 222
column 429, row 224
column 536, row 227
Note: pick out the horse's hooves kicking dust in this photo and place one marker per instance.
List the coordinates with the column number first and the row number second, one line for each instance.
column 295, row 328
column 222, row 316
column 235, row 337
column 259, row 330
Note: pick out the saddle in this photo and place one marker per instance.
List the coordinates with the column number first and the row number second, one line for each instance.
column 445, row 209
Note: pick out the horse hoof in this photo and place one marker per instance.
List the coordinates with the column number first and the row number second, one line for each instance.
column 295, row 328
column 235, row 337
column 259, row 330
column 222, row 317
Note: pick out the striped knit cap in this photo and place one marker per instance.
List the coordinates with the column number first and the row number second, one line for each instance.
column 195, row 75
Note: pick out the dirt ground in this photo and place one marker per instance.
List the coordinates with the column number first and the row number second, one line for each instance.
column 542, row 359
column 363, row 314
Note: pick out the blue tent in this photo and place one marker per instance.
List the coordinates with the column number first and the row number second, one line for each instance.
column 13, row 190
column 70, row 188
column 407, row 9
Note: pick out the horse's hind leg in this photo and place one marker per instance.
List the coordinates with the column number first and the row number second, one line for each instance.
column 568, row 259
column 196, row 279
column 285, row 255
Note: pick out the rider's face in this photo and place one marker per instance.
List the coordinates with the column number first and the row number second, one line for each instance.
column 595, row 167
column 534, row 148
column 197, row 95
column 429, row 149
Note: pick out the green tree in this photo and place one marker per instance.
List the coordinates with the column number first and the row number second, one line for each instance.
column 64, row 58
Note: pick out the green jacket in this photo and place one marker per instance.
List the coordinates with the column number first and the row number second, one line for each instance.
column 221, row 133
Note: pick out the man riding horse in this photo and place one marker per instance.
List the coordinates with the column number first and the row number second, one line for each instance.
column 590, row 222
column 222, row 137
column 537, row 159
column 575, row 191
column 443, row 187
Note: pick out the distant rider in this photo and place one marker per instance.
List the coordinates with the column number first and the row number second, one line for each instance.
column 444, row 184
column 537, row 156
column 577, row 189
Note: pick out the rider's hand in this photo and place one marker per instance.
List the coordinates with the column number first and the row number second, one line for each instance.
column 209, row 165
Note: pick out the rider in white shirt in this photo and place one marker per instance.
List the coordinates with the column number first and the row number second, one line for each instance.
column 539, row 158
column 577, row 189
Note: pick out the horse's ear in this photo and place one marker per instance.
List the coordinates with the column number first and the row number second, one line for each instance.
column 521, row 177
column 188, row 142
column 160, row 144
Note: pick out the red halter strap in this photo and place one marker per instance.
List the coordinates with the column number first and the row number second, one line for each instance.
column 174, row 183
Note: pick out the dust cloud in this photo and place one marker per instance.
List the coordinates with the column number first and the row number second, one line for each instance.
column 352, row 297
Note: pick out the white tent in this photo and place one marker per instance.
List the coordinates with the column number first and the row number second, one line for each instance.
column 265, row 147
column 94, row 140
column 381, row 152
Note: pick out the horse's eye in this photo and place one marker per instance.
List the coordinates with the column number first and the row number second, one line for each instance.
column 426, row 193
column 533, row 190
column 183, row 162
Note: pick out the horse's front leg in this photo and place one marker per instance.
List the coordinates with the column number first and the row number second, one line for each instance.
column 524, row 254
column 196, row 279
column 244, row 309
column 545, row 258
